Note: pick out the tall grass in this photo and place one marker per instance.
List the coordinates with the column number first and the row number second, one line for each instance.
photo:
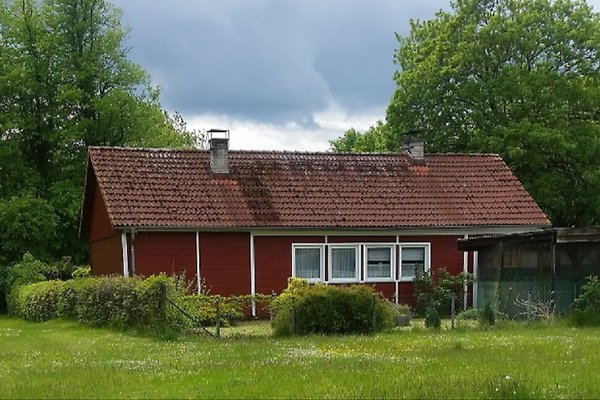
column 58, row 359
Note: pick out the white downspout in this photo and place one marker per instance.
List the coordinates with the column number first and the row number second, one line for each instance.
column 475, row 277
column 132, row 237
column 125, row 256
column 465, row 271
column 252, row 274
column 199, row 288
column 397, row 256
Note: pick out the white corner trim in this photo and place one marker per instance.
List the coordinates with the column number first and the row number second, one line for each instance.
column 125, row 256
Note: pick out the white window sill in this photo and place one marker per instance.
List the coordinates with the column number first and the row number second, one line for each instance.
column 379, row 280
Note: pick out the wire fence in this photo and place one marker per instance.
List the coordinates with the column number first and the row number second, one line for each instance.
column 529, row 299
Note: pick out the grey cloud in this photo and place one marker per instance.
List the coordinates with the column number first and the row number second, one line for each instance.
column 271, row 60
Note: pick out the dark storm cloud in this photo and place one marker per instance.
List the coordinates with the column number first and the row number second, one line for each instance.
column 273, row 60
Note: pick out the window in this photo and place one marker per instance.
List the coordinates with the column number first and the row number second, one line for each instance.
column 414, row 259
column 343, row 264
column 307, row 262
column 378, row 263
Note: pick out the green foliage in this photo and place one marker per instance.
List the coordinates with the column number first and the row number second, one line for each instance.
column 436, row 289
column 26, row 225
column 488, row 315
column 204, row 308
column 472, row 314
column 30, row 270
column 303, row 309
column 65, row 83
column 118, row 302
column 586, row 307
column 82, row 272
column 35, row 301
column 432, row 318
column 520, row 78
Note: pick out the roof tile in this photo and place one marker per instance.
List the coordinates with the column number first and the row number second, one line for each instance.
column 175, row 188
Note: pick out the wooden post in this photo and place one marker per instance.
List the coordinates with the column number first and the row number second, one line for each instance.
column 453, row 310
column 218, row 318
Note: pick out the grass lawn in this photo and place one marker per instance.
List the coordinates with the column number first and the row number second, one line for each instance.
column 60, row 359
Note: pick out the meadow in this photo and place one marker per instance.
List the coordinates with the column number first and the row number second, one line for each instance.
column 59, row 359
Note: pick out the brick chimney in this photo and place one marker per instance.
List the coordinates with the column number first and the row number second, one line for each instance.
column 219, row 151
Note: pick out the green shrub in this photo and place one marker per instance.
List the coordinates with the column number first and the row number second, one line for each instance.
column 324, row 309
column 472, row 314
column 35, row 301
column 586, row 307
column 30, row 270
column 432, row 318
column 118, row 302
column 204, row 308
column 82, row 272
column 488, row 315
column 437, row 288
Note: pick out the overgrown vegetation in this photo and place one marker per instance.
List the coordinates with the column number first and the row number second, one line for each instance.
column 305, row 308
column 117, row 302
column 31, row 270
column 435, row 290
column 586, row 308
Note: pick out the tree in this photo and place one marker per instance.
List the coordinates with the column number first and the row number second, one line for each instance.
column 65, row 84
column 516, row 77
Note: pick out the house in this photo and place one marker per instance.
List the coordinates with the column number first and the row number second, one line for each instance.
column 546, row 267
column 242, row 222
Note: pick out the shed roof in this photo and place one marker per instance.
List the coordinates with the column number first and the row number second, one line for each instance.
column 176, row 189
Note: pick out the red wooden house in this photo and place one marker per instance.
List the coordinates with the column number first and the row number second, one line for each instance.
column 242, row 222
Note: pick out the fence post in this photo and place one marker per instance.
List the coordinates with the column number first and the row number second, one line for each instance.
column 529, row 298
column 453, row 310
column 218, row 317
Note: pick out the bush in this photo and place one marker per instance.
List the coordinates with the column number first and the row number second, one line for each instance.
column 586, row 307
column 437, row 288
column 472, row 314
column 304, row 309
column 204, row 308
column 36, row 301
column 118, row 302
column 30, row 270
column 432, row 318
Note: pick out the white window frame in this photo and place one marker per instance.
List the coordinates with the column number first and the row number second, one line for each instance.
column 427, row 261
column 356, row 248
column 321, row 260
column 392, row 249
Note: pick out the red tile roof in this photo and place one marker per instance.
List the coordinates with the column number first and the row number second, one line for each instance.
column 176, row 189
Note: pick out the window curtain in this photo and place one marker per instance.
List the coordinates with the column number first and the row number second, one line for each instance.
column 343, row 263
column 308, row 263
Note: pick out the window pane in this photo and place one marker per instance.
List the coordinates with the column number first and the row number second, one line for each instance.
column 308, row 263
column 379, row 262
column 343, row 263
column 413, row 261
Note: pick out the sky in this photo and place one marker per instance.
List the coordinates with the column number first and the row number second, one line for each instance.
column 279, row 74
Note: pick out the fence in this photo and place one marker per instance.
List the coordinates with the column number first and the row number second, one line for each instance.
column 529, row 299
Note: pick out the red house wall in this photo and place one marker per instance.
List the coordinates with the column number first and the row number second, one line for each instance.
column 273, row 260
column 105, row 242
column 168, row 252
column 225, row 262
column 105, row 256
